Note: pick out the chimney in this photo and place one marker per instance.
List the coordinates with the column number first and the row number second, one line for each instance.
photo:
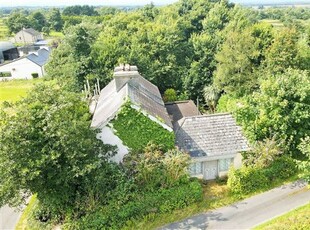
column 124, row 73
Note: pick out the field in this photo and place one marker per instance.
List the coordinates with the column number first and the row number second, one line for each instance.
column 275, row 23
column 296, row 219
column 14, row 90
column 3, row 30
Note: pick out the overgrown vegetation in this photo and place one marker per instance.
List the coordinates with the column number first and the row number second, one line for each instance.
column 216, row 52
column 141, row 128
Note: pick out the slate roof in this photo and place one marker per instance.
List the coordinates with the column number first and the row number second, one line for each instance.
column 210, row 135
column 32, row 31
column 141, row 93
column 41, row 58
column 179, row 109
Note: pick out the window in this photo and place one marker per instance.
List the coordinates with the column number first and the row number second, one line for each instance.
column 195, row 168
column 224, row 164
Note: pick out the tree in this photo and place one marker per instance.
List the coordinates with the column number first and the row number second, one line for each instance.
column 17, row 21
column 279, row 109
column 211, row 96
column 47, row 148
column 304, row 166
column 71, row 63
column 37, row 20
column 235, row 71
column 55, row 20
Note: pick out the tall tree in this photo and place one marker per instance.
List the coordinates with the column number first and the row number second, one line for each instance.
column 37, row 20
column 55, row 20
column 47, row 147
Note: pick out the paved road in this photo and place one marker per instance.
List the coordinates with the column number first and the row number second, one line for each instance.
column 8, row 218
column 250, row 212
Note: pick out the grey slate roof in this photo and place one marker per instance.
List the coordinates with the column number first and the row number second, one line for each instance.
column 210, row 135
column 131, row 85
column 32, row 31
column 41, row 58
column 179, row 109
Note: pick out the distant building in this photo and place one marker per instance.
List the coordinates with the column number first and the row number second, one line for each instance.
column 28, row 36
column 7, row 52
column 24, row 67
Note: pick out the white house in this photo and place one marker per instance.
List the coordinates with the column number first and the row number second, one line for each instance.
column 28, row 36
column 143, row 96
column 214, row 142
column 24, row 67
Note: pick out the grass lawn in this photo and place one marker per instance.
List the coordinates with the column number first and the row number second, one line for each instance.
column 3, row 30
column 275, row 23
column 12, row 91
column 298, row 219
column 54, row 34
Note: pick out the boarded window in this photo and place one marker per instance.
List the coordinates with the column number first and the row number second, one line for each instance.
column 224, row 164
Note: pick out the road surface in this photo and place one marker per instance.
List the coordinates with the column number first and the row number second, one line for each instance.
column 8, row 218
column 250, row 212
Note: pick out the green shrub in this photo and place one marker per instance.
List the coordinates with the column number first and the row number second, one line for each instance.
column 115, row 216
column 249, row 179
column 35, row 75
column 170, row 95
column 282, row 168
column 246, row 180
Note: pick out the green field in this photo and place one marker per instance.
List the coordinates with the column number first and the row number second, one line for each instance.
column 296, row 219
column 3, row 30
column 14, row 90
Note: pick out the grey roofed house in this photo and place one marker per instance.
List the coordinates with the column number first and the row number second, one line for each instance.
column 210, row 135
column 28, row 35
column 213, row 141
column 129, row 84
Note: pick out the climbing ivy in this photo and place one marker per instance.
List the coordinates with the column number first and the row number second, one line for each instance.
column 136, row 130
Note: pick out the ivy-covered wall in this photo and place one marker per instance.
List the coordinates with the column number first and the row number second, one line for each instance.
column 136, row 130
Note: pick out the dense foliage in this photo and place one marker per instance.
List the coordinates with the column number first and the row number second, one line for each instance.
column 304, row 165
column 141, row 128
column 249, row 179
column 46, row 147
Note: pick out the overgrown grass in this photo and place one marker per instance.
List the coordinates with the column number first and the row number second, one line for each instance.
column 54, row 34
column 296, row 219
column 14, row 90
column 27, row 222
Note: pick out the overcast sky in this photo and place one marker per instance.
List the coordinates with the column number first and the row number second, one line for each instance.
column 114, row 2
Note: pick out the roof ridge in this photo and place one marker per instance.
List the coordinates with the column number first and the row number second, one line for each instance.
column 209, row 115
column 177, row 102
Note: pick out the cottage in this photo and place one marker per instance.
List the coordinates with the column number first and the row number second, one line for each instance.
column 128, row 86
column 24, row 67
column 214, row 142
column 28, row 36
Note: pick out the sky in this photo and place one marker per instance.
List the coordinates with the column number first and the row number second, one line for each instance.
column 6, row 3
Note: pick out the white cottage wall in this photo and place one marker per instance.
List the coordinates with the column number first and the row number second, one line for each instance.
column 107, row 136
column 22, row 69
